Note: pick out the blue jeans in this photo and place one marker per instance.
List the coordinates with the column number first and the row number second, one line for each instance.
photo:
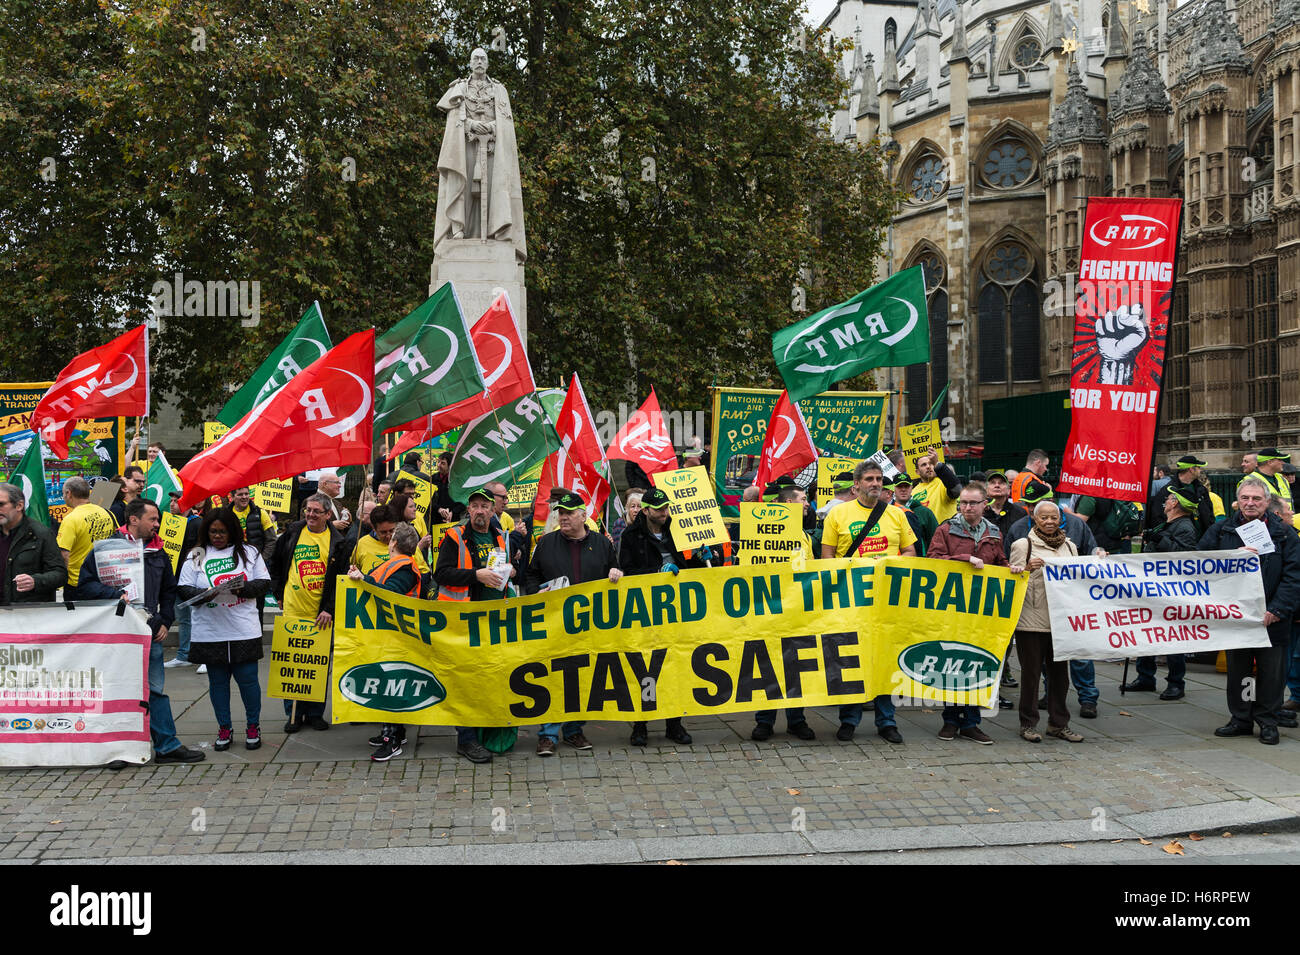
column 468, row 734
column 793, row 716
column 1293, row 671
column 162, row 727
column 851, row 713
column 1084, row 677
column 245, row 675
column 550, row 730
column 183, row 617
column 963, row 717
column 1146, row 669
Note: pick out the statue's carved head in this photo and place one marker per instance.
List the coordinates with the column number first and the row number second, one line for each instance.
column 478, row 62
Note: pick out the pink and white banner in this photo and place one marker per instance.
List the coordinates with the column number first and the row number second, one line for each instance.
column 74, row 686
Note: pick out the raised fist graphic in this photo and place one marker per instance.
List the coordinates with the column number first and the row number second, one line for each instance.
column 1120, row 336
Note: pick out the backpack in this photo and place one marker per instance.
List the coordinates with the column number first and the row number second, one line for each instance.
column 1123, row 521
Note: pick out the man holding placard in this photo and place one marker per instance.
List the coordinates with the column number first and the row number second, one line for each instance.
column 868, row 527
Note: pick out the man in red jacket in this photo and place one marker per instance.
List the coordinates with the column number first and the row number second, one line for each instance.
column 972, row 537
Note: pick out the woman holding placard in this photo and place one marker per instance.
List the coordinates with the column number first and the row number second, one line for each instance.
column 228, row 576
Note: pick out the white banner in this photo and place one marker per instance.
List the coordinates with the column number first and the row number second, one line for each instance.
column 71, row 686
column 1141, row 605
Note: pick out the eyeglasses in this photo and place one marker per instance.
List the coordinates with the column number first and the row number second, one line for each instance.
column 970, row 503
column 504, row 497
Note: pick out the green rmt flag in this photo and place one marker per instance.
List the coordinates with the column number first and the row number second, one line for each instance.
column 503, row 444
column 424, row 363
column 29, row 477
column 308, row 341
column 160, row 481
column 885, row 326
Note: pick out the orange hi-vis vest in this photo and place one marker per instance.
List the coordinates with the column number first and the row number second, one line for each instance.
column 1019, row 482
column 464, row 561
column 726, row 553
column 392, row 566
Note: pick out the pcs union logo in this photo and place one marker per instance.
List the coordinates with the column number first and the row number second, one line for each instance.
column 396, row 687
column 22, row 723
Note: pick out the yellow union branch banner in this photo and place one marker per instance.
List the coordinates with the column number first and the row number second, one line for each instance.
column 707, row 641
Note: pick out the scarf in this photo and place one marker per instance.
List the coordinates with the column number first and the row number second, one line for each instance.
column 1054, row 541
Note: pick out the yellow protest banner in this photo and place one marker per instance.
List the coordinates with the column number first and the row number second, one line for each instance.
column 300, row 660
column 918, row 440
column 771, row 533
column 436, row 533
column 272, row 495
column 212, row 432
column 708, row 641
column 696, row 518
column 172, row 532
column 423, row 496
column 827, row 468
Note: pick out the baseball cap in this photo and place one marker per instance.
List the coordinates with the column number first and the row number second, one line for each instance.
column 654, row 498
column 1036, row 491
column 1189, row 461
column 996, row 472
column 572, row 502
column 1289, row 468
column 1271, row 454
column 1186, row 503
column 483, row 493
column 842, row 481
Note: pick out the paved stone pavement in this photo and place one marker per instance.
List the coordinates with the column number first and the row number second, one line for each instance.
column 1147, row 768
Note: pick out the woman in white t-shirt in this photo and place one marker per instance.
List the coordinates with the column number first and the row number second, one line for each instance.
column 225, row 632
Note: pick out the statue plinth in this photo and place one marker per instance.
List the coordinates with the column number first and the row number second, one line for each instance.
column 480, row 270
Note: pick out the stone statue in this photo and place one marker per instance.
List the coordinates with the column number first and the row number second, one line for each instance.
column 479, row 193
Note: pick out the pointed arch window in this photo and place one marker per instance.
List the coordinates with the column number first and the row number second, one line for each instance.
column 924, row 382
column 1009, row 326
column 926, row 178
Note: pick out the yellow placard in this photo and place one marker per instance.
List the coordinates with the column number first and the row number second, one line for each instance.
column 300, row 660
column 771, row 533
column 437, row 532
column 522, row 495
column 272, row 495
column 212, row 432
column 709, row 641
column 827, row 468
column 172, row 532
column 423, row 496
column 696, row 518
column 918, row 440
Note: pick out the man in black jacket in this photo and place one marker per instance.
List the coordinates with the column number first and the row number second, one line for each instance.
column 142, row 519
column 1186, row 480
column 1280, row 571
column 647, row 548
column 33, row 566
column 1177, row 533
column 303, row 565
column 575, row 553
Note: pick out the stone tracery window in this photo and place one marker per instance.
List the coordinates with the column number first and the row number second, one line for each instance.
column 924, row 382
column 1008, row 164
column 928, row 179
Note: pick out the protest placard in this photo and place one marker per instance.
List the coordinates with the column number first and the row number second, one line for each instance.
column 771, row 533
column 300, row 660
column 827, row 468
column 918, row 440
column 120, row 564
column 696, row 519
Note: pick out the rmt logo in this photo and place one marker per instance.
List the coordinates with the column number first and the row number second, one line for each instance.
column 1128, row 232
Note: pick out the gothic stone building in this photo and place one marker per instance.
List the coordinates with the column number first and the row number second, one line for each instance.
column 1002, row 117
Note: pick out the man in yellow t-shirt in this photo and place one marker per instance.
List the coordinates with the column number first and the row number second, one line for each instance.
column 305, row 565
column 938, row 487
column 85, row 524
column 889, row 536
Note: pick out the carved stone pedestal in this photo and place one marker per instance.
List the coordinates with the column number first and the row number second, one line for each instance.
column 480, row 270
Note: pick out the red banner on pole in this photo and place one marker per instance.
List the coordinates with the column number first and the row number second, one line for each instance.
column 1126, row 279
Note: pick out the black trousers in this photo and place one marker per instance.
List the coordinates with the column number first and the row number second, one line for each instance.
column 1258, row 701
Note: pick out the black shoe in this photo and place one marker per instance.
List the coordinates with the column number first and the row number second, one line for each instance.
column 1234, row 729
column 475, row 752
column 292, row 726
column 1005, row 704
column 677, row 733
column 802, row 730
column 316, row 723
column 1042, row 702
column 845, row 732
column 1268, row 735
column 1088, row 711
column 890, row 734
column 1140, row 686
column 385, row 731
column 1010, row 682
column 118, row 765
column 1286, row 719
column 1173, row 693
column 386, row 752
column 638, row 734
column 180, row 754
column 762, row 731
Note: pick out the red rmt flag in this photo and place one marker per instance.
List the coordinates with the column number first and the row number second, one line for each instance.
column 788, row 446
column 580, row 463
column 507, row 376
column 324, row 417
column 105, row 382
column 644, row 440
